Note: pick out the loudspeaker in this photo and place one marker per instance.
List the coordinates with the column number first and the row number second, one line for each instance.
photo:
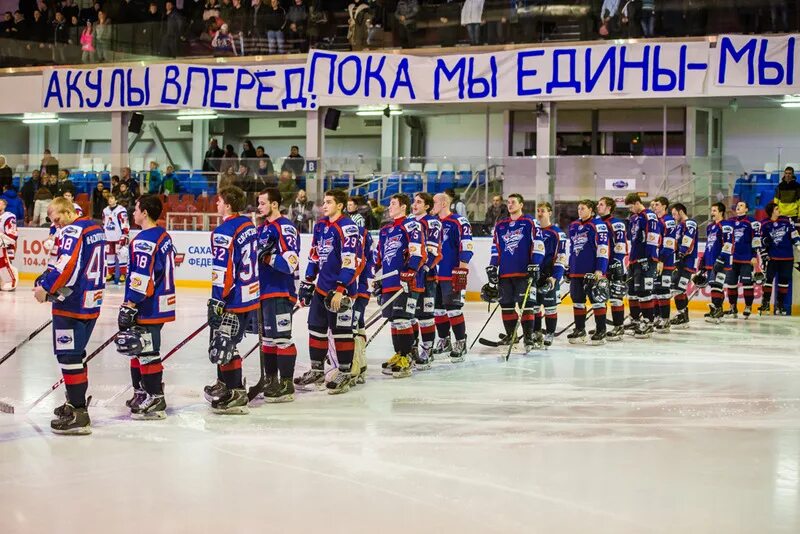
column 332, row 118
column 135, row 124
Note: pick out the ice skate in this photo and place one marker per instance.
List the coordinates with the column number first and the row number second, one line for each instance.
column 279, row 391
column 338, row 383
column 538, row 340
column 548, row 339
column 72, row 421
column 459, row 351
column 152, row 407
column 577, row 337
column 443, row 346
column 138, row 396
column 748, row 311
column 662, row 326
column 644, row 330
column 232, row 402
column 764, row 309
column 214, row 391
column 529, row 343
column 598, row 338
column 314, row 378
column 681, row 320
column 615, row 334
column 402, row 367
column 716, row 316
column 386, row 367
column 422, row 360
column 261, row 386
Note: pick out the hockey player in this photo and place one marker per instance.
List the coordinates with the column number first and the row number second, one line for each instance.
column 424, row 325
column 685, row 263
column 779, row 234
column 401, row 250
column 645, row 237
column 333, row 262
column 617, row 266
column 666, row 263
column 51, row 243
column 79, row 267
column 554, row 264
column 452, row 278
column 149, row 303
column 367, row 262
column 514, row 267
column 8, row 248
column 746, row 248
column 115, row 222
column 234, row 294
column 716, row 258
column 278, row 262
column 588, row 263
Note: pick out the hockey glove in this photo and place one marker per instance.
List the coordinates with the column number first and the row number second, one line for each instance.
column 305, row 293
column 719, row 266
column 459, row 279
column 268, row 248
column 124, row 241
column 377, row 287
column 127, row 317
column 408, row 281
column 215, row 311
column 493, row 275
column 533, row 271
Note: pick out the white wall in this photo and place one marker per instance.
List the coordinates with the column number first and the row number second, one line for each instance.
column 463, row 136
column 753, row 137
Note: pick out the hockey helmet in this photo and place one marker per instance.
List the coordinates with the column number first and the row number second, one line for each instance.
column 344, row 305
column 759, row 278
column 133, row 342
column 700, row 280
column 222, row 348
column 599, row 291
column 588, row 282
column 490, row 293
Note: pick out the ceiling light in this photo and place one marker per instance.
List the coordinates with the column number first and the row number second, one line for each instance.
column 791, row 104
column 197, row 114
column 378, row 112
column 39, row 118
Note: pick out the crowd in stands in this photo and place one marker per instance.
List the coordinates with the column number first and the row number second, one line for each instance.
column 61, row 32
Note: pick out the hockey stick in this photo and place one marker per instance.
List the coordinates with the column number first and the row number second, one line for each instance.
column 22, row 343
column 252, row 350
column 478, row 337
column 377, row 315
column 494, row 344
column 375, row 334
column 519, row 318
column 174, row 349
column 98, row 350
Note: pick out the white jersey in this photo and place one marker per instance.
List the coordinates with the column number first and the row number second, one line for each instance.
column 115, row 223
column 8, row 233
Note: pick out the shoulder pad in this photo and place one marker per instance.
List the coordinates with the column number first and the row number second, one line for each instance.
column 670, row 223
column 462, row 220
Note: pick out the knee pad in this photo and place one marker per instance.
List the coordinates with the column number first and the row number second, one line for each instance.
column 551, row 310
column 401, row 324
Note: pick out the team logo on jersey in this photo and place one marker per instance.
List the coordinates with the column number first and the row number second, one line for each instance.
column 512, row 239
column 324, row 249
column 144, row 246
column 65, row 339
column 578, row 242
column 222, row 240
column 392, row 244
column 778, row 234
column 71, row 231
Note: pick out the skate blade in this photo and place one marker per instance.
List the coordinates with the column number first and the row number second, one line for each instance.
column 614, row 339
column 456, row 359
column 339, row 391
column 597, row 342
column 154, row 416
column 401, row 374
column 83, row 431
column 386, row 371
column 681, row 327
column 282, row 398
column 422, row 366
column 580, row 341
column 235, row 410
column 642, row 336
column 662, row 332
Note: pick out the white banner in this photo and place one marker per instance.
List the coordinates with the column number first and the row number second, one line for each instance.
column 608, row 70
column 621, row 184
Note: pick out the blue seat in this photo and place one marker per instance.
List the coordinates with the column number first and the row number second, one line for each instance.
column 433, row 179
column 197, row 184
column 341, row 182
column 411, row 185
column 464, row 178
column 447, row 180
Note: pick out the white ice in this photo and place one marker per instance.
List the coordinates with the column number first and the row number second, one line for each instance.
column 698, row 431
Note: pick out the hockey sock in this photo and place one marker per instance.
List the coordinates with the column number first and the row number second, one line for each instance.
column 317, row 344
column 647, row 309
column 663, row 306
column 780, row 299
column 77, row 382
column 766, row 297
column 232, row 373
column 427, row 329
column 733, row 296
column 599, row 319
column 748, row 295
column 636, row 309
column 527, row 322
column 537, row 322
column 442, row 326
column 457, row 323
column 287, row 357
column 717, row 297
column 681, row 301
column 510, row 318
column 618, row 314
column 402, row 336
column 111, row 265
column 580, row 317
column 550, row 323
column 344, row 349
column 152, row 374
column 269, row 355
column 136, row 374
column 415, row 329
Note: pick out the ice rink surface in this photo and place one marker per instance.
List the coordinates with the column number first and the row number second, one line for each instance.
column 698, row 431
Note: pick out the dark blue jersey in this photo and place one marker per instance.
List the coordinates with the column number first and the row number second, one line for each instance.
column 778, row 237
column 669, row 241
column 589, row 247
column 234, row 270
column 456, row 245
column 517, row 243
column 151, row 276
column 277, row 279
column 617, row 239
column 334, row 258
column 645, row 236
column 554, row 260
column 401, row 248
column 746, row 238
column 686, row 238
column 719, row 244
column 432, row 227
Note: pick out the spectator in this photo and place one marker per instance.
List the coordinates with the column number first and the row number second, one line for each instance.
column 61, row 39
column 266, row 172
column 472, row 18
column 39, row 32
column 64, row 183
column 237, row 22
column 294, row 162
column 125, row 198
column 458, row 205
column 115, row 185
column 227, row 178
column 28, row 191
column 211, row 161
column 609, row 18
column 364, row 209
column 225, row 11
column 212, row 9
column 87, row 44
column 6, row 174
column 151, row 29
column 287, row 187
column 301, row 212
column 229, row 160
column 171, row 184
column 248, row 152
column 69, row 9
column 256, row 43
column 358, row 24
column 127, row 178
column 51, row 183
column 498, row 13
column 171, row 31
column 377, row 210
column 787, row 195
column 152, row 181
column 275, row 21
column 223, row 43
column 496, row 211
column 99, row 201
column 648, row 18
column 297, row 20
column 630, row 19
column 103, row 35
column 41, row 200
column 317, row 23
column 49, row 163
column 14, row 204
column 406, row 16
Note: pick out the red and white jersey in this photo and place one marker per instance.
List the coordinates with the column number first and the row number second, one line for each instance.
column 8, row 233
column 115, row 223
